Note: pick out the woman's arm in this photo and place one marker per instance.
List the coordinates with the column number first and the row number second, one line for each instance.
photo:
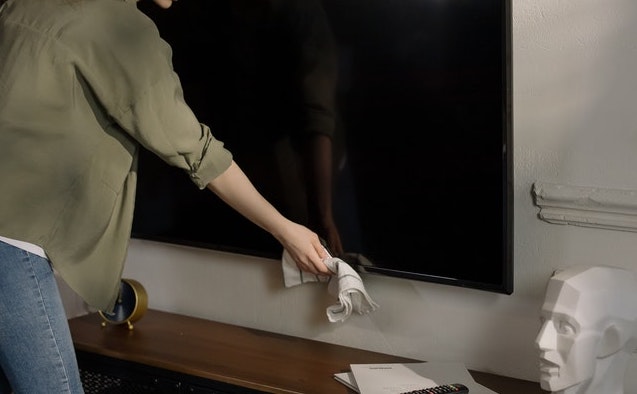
column 236, row 190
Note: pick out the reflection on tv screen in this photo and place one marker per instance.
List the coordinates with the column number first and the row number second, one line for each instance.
column 385, row 126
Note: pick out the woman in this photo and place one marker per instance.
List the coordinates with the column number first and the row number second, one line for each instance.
column 84, row 83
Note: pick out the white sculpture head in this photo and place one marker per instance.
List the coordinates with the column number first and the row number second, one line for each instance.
column 589, row 330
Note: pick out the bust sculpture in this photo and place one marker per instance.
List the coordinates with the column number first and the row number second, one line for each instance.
column 589, row 330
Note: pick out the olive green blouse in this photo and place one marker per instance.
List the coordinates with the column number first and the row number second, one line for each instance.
column 82, row 84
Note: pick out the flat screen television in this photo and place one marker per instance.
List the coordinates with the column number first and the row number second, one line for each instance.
column 417, row 97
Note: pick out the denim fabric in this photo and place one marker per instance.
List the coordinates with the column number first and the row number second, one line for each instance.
column 36, row 349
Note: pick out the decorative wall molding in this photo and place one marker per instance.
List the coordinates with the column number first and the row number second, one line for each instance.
column 611, row 209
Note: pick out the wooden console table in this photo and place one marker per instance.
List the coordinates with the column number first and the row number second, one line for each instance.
column 167, row 352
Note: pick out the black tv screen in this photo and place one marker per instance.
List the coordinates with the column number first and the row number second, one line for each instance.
column 416, row 96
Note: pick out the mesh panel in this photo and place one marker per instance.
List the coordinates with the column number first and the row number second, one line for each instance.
column 97, row 383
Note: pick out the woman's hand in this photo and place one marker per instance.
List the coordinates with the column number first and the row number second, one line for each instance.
column 305, row 247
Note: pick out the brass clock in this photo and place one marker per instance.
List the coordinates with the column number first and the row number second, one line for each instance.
column 130, row 306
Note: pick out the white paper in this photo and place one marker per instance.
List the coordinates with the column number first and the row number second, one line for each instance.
column 414, row 373
column 347, row 378
column 392, row 378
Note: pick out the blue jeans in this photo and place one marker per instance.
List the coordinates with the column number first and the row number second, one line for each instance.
column 36, row 349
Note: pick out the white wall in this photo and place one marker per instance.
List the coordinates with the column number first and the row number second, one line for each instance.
column 575, row 106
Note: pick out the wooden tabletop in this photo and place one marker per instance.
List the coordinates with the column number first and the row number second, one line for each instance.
column 242, row 356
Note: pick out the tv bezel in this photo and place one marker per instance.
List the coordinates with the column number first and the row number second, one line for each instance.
column 505, row 284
